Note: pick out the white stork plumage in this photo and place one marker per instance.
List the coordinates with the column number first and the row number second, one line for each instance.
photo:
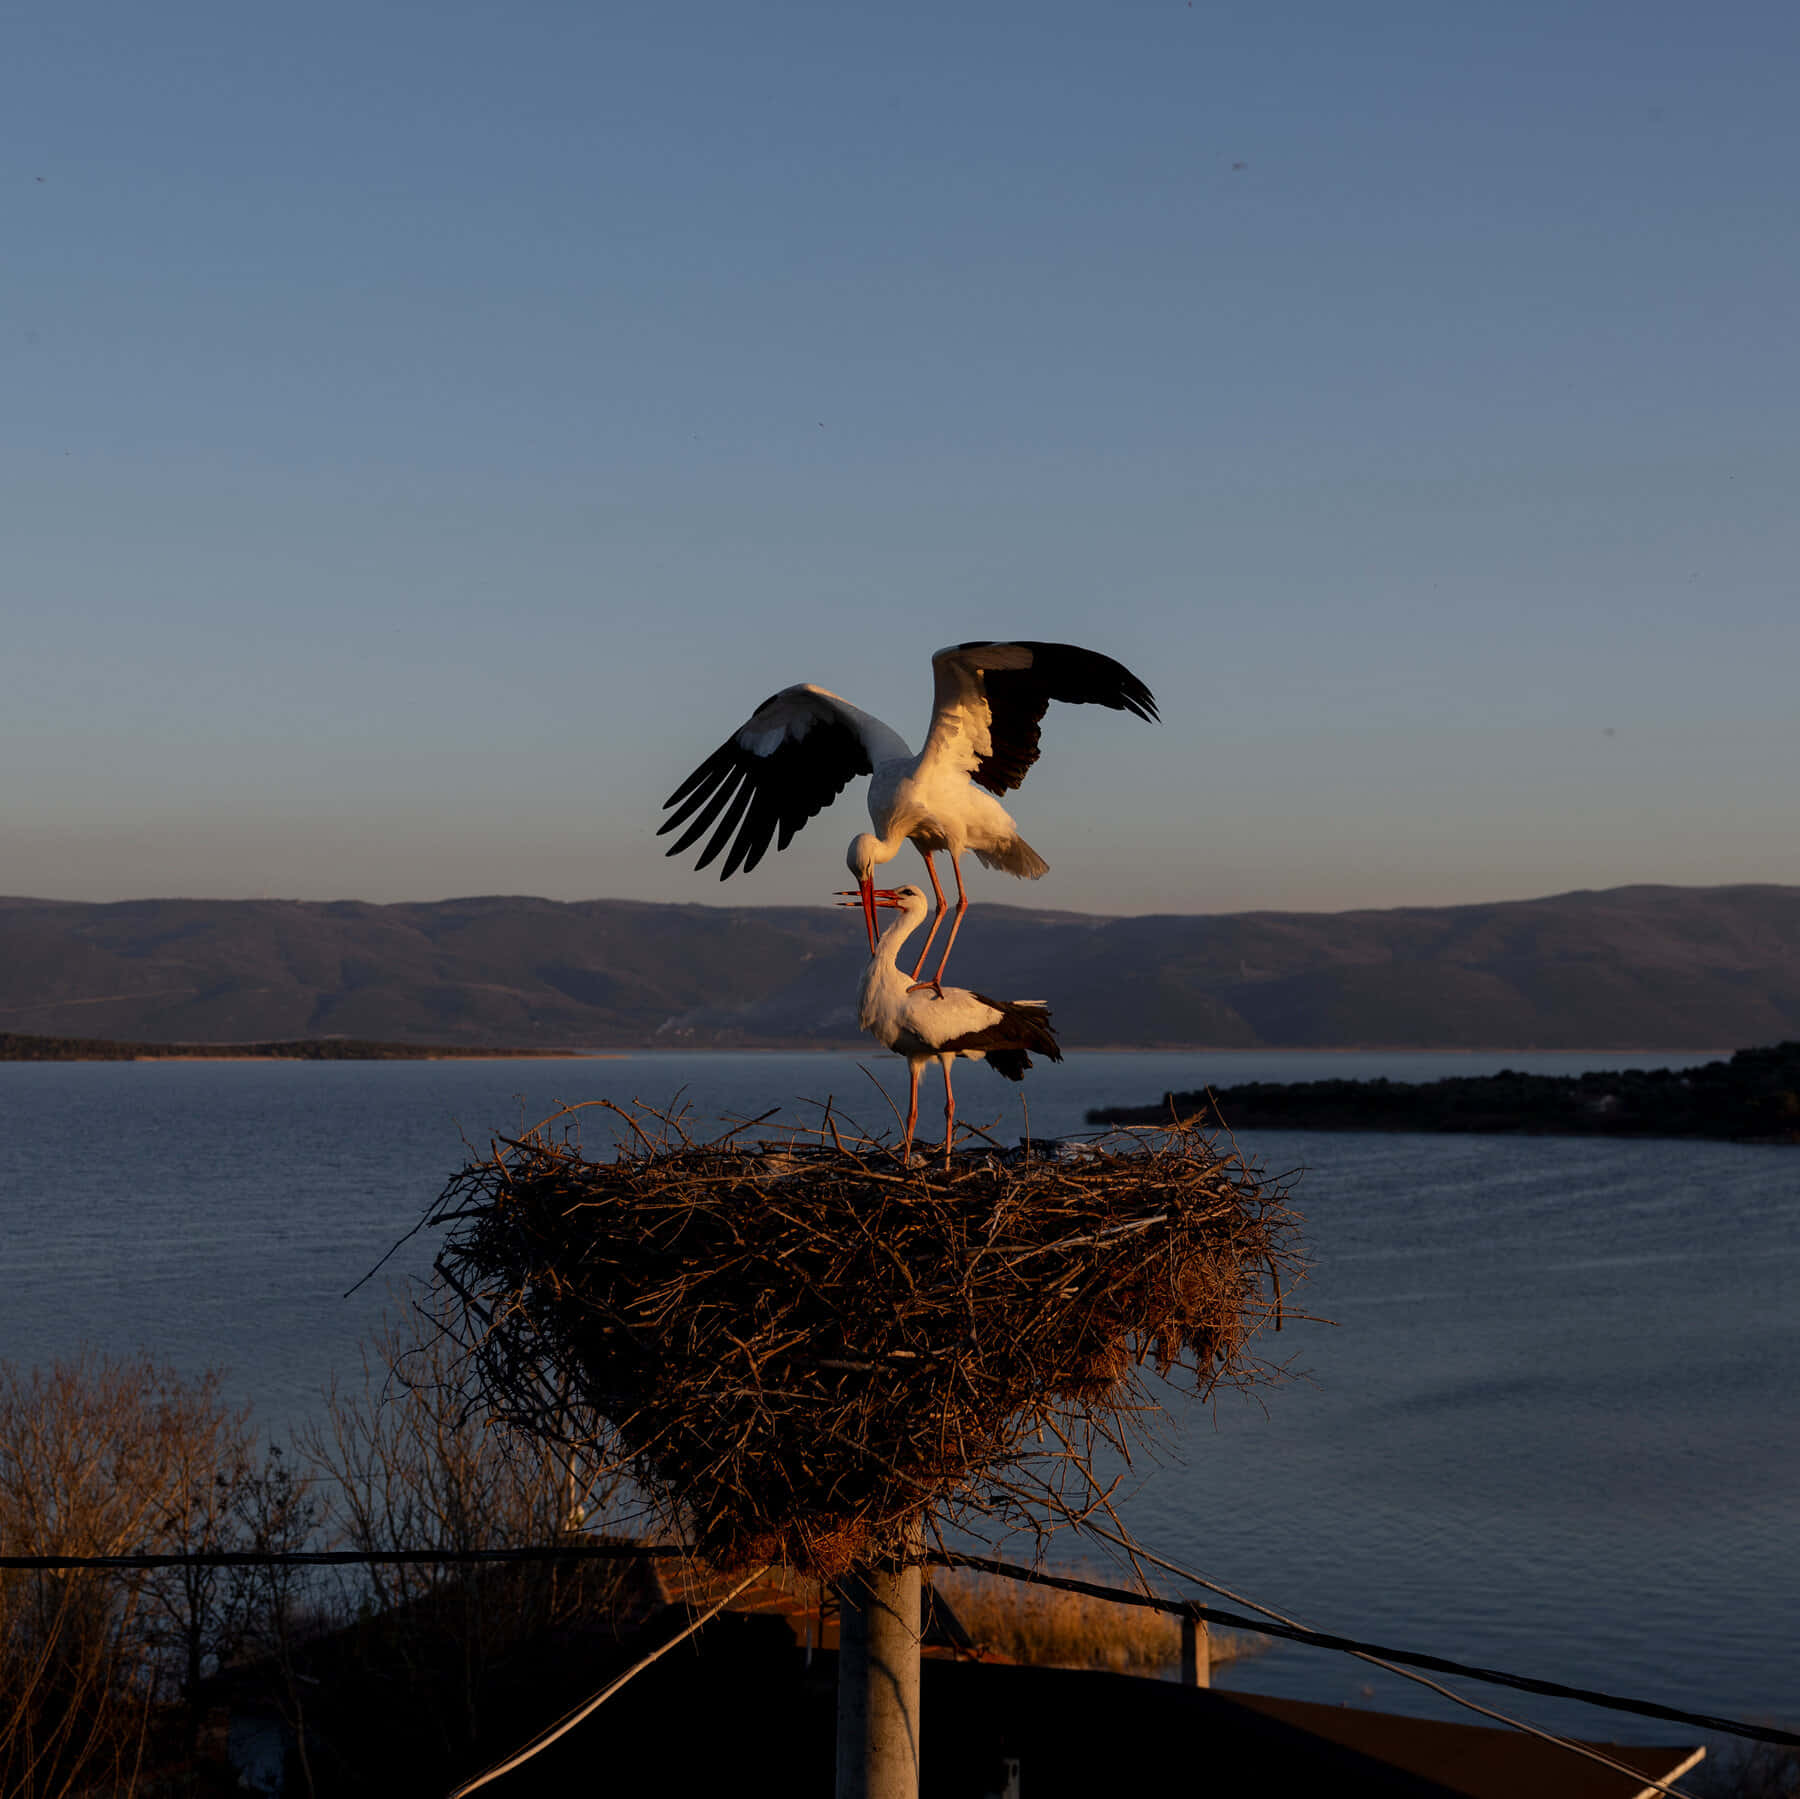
column 803, row 746
column 924, row 1026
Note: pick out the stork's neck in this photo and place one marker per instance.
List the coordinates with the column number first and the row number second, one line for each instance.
column 887, row 948
column 884, row 986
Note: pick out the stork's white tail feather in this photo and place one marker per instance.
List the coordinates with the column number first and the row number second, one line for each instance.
column 1015, row 858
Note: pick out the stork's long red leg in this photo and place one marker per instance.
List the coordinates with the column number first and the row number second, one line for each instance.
column 937, row 917
column 912, row 1111
column 962, row 905
column 949, row 1111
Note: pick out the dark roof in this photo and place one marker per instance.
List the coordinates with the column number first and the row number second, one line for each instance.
column 1081, row 1733
column 744, row 1707
column 1073, row 1726
column 1477, row 1760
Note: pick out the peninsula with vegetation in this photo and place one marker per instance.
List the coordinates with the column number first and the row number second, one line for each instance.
column 1753, row 1098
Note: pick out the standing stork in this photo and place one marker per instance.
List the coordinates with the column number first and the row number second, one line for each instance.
column 939, row 1024
column 803, row 746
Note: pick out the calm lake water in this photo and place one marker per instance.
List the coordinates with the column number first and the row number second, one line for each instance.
column 1552, row 1427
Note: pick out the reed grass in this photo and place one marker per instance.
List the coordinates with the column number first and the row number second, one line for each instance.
column 1047, row 1628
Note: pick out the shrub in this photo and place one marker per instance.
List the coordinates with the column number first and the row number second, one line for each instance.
column 1046, row 1627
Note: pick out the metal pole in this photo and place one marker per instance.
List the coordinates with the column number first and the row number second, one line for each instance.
column 878, row 1683
column 1196, row 1652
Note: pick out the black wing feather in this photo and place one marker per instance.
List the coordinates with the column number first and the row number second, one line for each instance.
column 1018, row 698
column 740, row 802
column 755, row 837
column 696, row 779
column 764, row 797
column 715, row 798
column 1008, row 1044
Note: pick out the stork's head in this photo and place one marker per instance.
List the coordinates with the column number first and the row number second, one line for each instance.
column 860, row 858
column 862, row 855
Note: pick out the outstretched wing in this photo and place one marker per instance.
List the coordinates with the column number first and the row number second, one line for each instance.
column 989, row 699
column 792, row 757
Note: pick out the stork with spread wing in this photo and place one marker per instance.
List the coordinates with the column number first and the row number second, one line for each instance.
column 803, row 746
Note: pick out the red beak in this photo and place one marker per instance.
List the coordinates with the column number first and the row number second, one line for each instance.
column 869, row 896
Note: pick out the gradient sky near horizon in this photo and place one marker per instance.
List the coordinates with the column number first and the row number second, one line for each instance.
column 427, row 431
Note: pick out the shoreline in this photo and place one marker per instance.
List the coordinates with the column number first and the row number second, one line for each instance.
column 436, row 1055
column 17, row 1047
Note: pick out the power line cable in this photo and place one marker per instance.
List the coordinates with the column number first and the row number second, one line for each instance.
column 569, row 1720
column 1271, row 1623
column 1298, row 1633
column 1289, row 1631
column 1585, row 1750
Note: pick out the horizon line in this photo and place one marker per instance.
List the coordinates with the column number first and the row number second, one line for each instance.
column 1068, row 912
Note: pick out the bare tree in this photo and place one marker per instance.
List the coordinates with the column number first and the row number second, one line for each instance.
column 103, row 1672
column 410, row 1463
column 94, row 1456
column 276, row 1513
column 199, row 1614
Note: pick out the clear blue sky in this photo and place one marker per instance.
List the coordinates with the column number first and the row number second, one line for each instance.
column 426, row 431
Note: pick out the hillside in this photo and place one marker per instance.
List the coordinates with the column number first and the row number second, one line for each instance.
column 1627, row 968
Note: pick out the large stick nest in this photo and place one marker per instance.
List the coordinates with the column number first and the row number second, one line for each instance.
column 796, row 1350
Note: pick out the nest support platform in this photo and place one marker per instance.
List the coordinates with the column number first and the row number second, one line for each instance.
column 800, row 1350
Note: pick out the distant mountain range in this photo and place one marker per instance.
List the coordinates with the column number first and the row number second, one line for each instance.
column 1631, row 967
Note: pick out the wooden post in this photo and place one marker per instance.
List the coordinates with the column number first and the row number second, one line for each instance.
column 879, row 1620
column 1196, row 1652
